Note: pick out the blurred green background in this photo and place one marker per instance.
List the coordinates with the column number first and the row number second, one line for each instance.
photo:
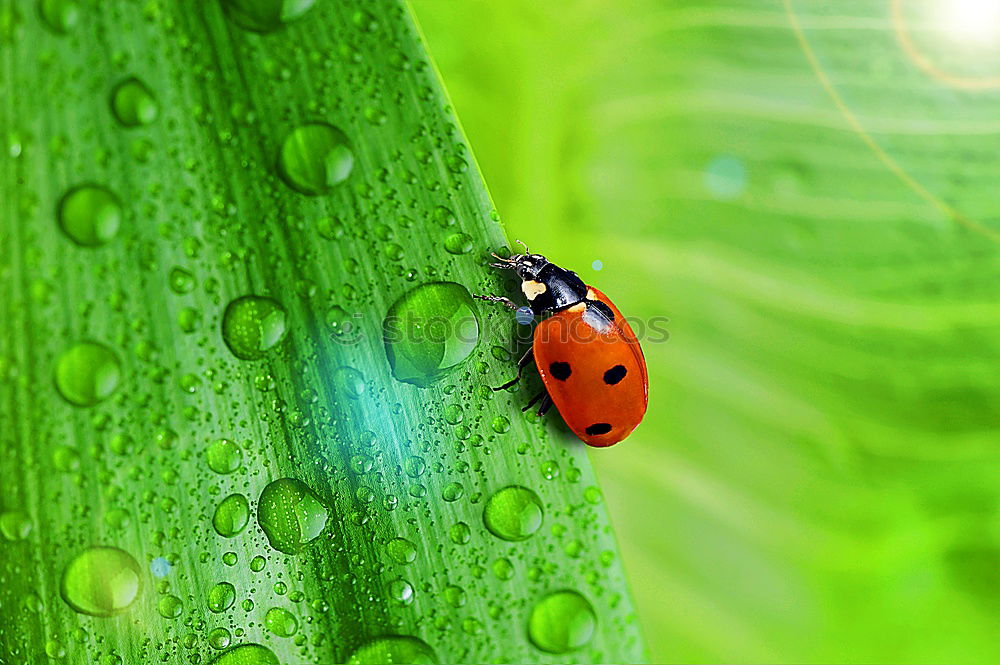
column 807, row 190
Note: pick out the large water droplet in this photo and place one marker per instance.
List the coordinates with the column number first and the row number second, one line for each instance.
column 430, row 330
column 314, row 158
column 252, row 325
column 231, row 516
column 247, row 654
column 90, row 215
column 133, row 103
column 101, row 581
column 393, row 649
column 87, row 373
column 562, row 621
column 290, row 514
column 458, row 243
column 60, row 15
column 513, row 513
column 265, row 15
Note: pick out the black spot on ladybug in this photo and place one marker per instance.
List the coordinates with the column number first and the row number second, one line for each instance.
column 560, row 370
column 598, row 428
column 603, row 309
column 615, row 375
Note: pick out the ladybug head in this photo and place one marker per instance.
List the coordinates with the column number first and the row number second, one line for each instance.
column 527, row 265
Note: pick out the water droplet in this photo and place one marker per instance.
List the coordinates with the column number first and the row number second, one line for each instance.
column 281, row 622
column 401, row 591
column 60, row 15
column 314, row 158
column 219, row 638
column 430, row 330
column 401, row 550
column 597, row 264
column 500, row 424
column 170, row 607
column 87, row 373
column 101, row 581
column 460, row 533
column 453, row 491
column 247, row 654
column 265, row 15
column 458, row 243
column 231, row 515
column 513, row 513
column 224, row 456
column 290, row 514
column 415, row 466
column 524, row 315
column 349, row 382
column 561, row 622
column 133, row 103
column 455, row 595
column 14, row 525
column 503, row 569
column 90, row 215
column 331, row 229
column 221, row 597
column 257, row 563
column 393, row 649
column 181, row 280
column 252, row 325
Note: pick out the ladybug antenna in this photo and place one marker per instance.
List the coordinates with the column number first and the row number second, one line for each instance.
column 523, row 245
column 504, row 263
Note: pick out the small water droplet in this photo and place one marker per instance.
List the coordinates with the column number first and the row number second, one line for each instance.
column 281, row 622
column 460, row 533
column 221, row 597
column 458, row 243
column 133, row 103
column 393, row 649
column 60, row 15
column 430, row 330
column 265, row 15
column 453, row 491
column 14, row 525
column 402, row 550
column 219, row 638
column 101, row 581
column 349, row 382
column 231, row 515
column 290, row 514
column 87, row 373
column 160, row 567
column 224, row 456
column 524, row 315
column 561, row 622
column 181, row 280
column 252, row 325
column 90, row 215
column 513, row 513
column 170, row 607
column 314, row 158
column 597, row 264
column 500, row 424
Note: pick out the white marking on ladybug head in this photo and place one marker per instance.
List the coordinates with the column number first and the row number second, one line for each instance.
column 590, row 294
column 533, row 289
column 579, row 307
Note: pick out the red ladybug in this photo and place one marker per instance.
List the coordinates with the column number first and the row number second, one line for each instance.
column 588, row 356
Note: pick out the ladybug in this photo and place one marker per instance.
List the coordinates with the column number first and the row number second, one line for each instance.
column 585, row 351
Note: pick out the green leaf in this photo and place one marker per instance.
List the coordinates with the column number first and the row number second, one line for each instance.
column 208, row 212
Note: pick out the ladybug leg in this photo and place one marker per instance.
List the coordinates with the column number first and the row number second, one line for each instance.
column 544, row 407
column 532, row 401
column 507, row 302
column 521, row 364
